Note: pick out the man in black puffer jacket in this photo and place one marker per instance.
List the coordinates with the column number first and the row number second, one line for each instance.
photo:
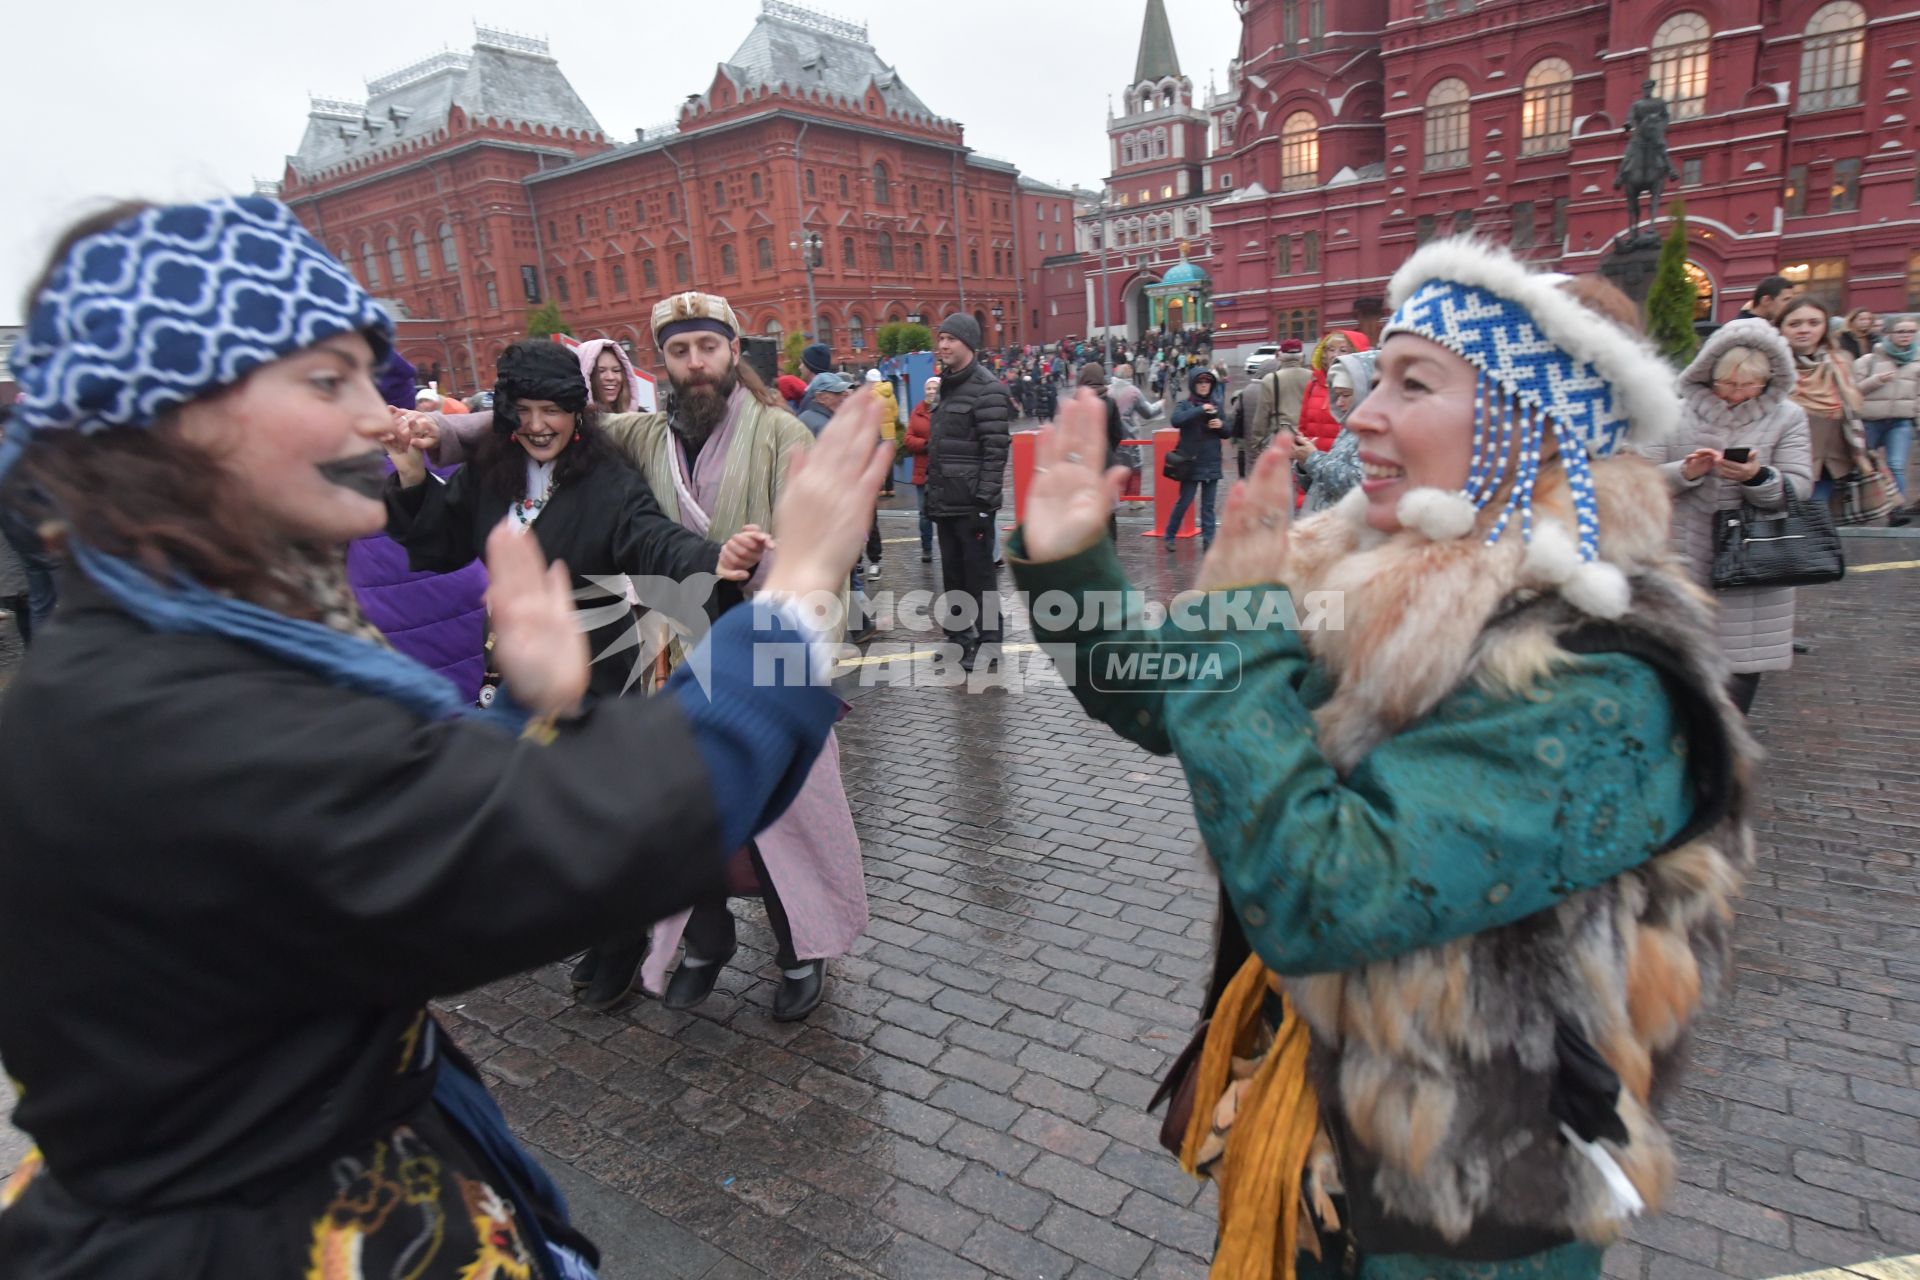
column 966, row 458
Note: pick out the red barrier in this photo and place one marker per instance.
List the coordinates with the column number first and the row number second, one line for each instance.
column 1024, row 445
column 1025, row 450
column 1167, row 492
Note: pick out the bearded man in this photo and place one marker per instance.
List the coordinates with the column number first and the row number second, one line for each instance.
column 717, row 461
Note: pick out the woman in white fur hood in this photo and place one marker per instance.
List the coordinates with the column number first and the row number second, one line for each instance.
column 1735, row 395
column 1478, row 833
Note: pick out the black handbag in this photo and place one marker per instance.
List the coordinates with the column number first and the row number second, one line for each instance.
column 1178, row 466
column 1796, row 547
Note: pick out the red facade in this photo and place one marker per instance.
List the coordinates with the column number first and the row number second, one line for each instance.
column 468, row 221
column 1791, row 129
column 1051, row 274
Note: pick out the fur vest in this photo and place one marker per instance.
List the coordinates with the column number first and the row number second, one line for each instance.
column 1435, row 1068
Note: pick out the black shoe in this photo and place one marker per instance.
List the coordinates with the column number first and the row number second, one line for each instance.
column 864, row 634
column 1801, row 646
column 613, row 977
column 798, row 997
column 582, row 975
column 1172, row 546
column 926, row 557
column 969, row 649
column 692, row 984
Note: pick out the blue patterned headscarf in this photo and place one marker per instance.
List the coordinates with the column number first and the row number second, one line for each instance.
column 1546, row 362
column 174, row 303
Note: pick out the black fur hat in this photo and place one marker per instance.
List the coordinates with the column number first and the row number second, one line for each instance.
column 536, row 370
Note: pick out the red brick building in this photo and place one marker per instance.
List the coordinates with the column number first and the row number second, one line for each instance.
column 1344, row 146
column 471, row 187
column 1348, row 134
column 1155, row 210
column 1048, row 254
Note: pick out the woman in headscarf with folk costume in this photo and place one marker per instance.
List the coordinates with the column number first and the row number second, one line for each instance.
column 1478, row 833
column 249, row 841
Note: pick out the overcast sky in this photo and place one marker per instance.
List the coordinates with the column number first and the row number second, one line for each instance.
column 186, row 100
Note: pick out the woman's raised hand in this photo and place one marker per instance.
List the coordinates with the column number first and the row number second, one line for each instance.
column 740, row 553
column 1252, row 544
column 826, row 506
column 537, row 641
column 1073, row 491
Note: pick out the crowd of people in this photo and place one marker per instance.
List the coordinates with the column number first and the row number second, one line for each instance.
column 356, row 699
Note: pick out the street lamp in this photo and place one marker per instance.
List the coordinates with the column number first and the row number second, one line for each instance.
column 1106, row 327
column 809, row 248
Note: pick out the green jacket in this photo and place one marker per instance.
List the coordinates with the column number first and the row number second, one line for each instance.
column 1485, row 812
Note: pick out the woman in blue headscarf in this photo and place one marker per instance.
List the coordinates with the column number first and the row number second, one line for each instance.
column 249, row 841
column 1461, row 754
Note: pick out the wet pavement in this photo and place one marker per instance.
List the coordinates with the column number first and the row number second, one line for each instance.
column 969, row 1101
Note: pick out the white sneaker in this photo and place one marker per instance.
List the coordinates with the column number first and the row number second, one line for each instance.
column 874, row 571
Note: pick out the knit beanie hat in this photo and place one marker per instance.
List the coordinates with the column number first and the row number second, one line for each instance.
column 964, row 328
column 817, row 358
column 1546, row 362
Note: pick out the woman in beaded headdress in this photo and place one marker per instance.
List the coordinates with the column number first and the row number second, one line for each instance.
column 248, row 841
column 1477, row 817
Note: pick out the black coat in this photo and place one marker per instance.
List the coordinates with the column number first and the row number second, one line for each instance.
column 605, row 524
column 229, row 889
column 1199, row 440
column 967, row 446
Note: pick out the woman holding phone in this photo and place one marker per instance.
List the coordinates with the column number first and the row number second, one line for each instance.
column 1741, row 440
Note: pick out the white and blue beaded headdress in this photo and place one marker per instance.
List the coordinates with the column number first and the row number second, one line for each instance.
column 1546, row 362
column 173, row 303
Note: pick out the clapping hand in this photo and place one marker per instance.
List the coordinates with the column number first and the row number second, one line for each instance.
column 537, row 641
column 1073, row 491
column 826, row 505
column 740, row 553
column 1252, row 544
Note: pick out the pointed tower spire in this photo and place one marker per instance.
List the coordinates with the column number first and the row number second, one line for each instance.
column 1157, row 60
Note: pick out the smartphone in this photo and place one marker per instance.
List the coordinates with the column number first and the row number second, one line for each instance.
column 1742, row 454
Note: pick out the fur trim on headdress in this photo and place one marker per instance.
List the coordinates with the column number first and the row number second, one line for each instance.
column 1640, row 378
column 1439, row 515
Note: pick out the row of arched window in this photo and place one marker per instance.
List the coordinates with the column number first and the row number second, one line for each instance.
column 1830, row 68
column 1149, row 228
column 395, row 256
column 1148, row 144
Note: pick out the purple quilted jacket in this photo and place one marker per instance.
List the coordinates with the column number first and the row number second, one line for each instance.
column 437, row 619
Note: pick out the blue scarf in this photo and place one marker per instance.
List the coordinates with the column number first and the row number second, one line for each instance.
column 188, row 608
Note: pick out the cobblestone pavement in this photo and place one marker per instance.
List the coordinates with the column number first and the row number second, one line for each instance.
column 970, row 1099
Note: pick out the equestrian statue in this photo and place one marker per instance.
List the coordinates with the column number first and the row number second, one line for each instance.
column 1646, row 167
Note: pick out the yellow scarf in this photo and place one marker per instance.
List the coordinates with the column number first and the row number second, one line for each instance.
column 1271, row 1131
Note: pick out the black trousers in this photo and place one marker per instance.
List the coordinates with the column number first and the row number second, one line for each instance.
column 873, row 539
column 966, row 568
column 710, row 932
column 1743, row 689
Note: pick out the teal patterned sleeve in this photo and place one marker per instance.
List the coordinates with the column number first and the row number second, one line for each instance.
column 1087, row 583
column 1488, row 810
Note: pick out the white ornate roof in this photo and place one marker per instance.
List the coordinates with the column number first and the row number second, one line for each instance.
column 504, row 76
column 795, row 46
